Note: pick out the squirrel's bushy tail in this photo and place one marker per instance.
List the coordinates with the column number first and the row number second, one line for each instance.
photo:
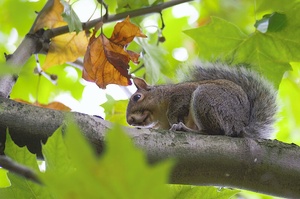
column 261, row 94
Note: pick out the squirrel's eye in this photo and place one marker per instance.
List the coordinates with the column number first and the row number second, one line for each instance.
column 136, row 97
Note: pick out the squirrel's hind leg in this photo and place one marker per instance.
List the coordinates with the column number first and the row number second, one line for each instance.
column 220, row 107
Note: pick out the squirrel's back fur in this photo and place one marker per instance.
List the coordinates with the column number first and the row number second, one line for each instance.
column 260, row 92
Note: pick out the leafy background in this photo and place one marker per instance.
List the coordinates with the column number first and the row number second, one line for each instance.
column 227, row 33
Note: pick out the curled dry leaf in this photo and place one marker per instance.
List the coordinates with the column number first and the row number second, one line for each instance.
column 106, row 60
column 124, row 32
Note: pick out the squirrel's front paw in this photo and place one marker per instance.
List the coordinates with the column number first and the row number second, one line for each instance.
column 178, row 127
column 181, row 127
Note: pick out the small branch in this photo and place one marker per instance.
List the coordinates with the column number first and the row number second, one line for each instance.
column 16, row 168
column 133, row 13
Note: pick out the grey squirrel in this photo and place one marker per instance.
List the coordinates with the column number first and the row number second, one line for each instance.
column 216, row 99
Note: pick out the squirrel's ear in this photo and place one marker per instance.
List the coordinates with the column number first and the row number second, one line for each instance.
column 140, row 84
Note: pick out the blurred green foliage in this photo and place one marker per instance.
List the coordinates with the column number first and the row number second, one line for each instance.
column 20, row 187
column 115, row 109
column 72, row 169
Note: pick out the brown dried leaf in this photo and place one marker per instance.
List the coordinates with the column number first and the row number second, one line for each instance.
column 105, row 55
column 124, row 32
column 52, row 105
column 106, row 60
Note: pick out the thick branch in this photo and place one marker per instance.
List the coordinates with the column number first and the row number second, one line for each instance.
column 265, row 166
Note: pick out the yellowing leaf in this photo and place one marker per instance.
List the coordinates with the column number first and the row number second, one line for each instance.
column 50, row 16
column 106, row 60
column 65, row 48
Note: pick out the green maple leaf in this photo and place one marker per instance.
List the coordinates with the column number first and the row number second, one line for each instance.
column 121, row 172
column 115, row 110
column 56, row 155
column 21, row 187
column 269, row 51
column 4, row 181
column 135, row 178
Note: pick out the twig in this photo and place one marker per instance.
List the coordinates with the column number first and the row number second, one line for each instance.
column 16, row 168
column 133, row 13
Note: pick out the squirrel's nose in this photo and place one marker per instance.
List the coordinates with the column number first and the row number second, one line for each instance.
column 130, row 120
column 138, row 118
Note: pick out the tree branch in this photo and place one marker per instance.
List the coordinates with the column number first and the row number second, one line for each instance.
column 27, row 47
column 132, row 13
column 266, row 166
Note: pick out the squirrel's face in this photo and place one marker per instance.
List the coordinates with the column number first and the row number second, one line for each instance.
column 138, row 112
column 142, row 107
